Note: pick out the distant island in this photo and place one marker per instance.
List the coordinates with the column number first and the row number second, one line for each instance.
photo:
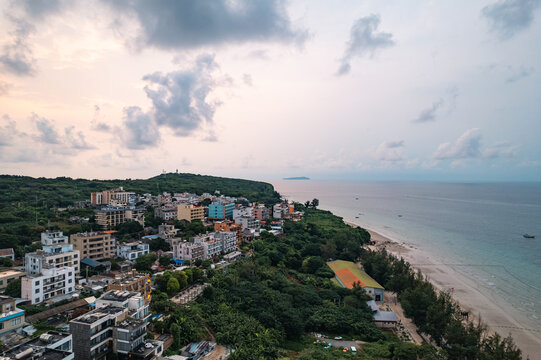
column 297, row 178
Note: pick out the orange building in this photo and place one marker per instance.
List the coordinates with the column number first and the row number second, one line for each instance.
column 229, row 226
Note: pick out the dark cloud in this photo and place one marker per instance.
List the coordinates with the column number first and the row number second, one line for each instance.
column 46, row 131
column 509, row 17
column 520, row 74
column 364, row 40
column 76, row 139
column 467, row 146
column 179, row 98
column 16, row 56
column 41, row 8
column 171, row 24
column 446, row 103
column 391, row 151
column 140, row 129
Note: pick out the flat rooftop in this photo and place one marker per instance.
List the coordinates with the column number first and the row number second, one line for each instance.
column 98, row 314
column 131, row 324
column 118, row 295
column 37, row 353
column 48, row 338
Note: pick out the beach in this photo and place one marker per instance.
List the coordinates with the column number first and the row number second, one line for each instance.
column 497, row 315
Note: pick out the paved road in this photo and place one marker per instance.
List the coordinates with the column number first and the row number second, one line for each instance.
column 339, row 343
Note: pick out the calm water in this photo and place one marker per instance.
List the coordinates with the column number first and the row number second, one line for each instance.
column 476, row 227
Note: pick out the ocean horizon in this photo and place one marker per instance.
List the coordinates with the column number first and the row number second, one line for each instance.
column 476, row 228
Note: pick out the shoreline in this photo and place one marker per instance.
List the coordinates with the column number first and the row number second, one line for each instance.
column 494, row 313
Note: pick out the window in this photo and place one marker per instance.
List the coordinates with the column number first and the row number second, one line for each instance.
column 69, row 274
column 37, row 291
column 69, row 281
column 37, row 282
column 1, row 282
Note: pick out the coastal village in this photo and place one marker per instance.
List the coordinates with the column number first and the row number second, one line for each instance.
column 87, row 296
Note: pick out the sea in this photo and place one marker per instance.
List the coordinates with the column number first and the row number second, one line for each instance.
column 476, row 228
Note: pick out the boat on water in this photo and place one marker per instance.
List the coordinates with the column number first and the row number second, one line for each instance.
column 528, row 236
column 399, row 215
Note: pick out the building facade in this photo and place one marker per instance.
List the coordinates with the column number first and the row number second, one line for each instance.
column 94, row 245
column 105, row 197
column 221, row 211
column 109, row 217
column 52, row 283
column 11, row 317
column 133, row 282
column 190, row 212
column 56, row 252
column 261, row 213
column 133, row 301
column 7, row 253
column 8, row 276
column 131, row 251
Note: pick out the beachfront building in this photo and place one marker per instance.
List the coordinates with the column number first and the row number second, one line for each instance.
column 221, row 211
column 382, row 319
column 52, row 284
column 11, row 317
column 94, row 245
column 347, row 274
column 131, row 251
column 56, row 252
column 190, row 212
column 8, row 276
column 109, row 217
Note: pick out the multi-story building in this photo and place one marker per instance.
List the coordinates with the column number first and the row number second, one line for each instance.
column 228, row 225
column 190, row 212
column 105, row 197
column 189, row 251
column 246, row 222
column 212, row 247
column 128, row 335
column 132, row 250
column 134, row 301
column 228, row 240
column 242, row 211
column 167, row 232
column 261, row 212
column 281, row 210
column 133, row 282
column 9, row 275
column 51, row 283
column 94, row 245
column 166, row 213
column 56, row 252
column 7, row 253
column 109, row 217
column 93, row 332
column 219, row 211
column 11, row 317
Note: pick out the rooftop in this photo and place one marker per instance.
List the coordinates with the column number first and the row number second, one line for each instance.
column 48, row 338
column 118, row 295
column 131, row 324
column 98, row 314
column 6, row 252
column 11, row 273
column 348, row 273
column 30, row 352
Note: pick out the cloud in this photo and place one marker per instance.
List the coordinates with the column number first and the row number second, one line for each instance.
column 96, row 123
column 192, row 23
column 391, row 151
column 4, row 88
column 76, row 140
column 140, row 129
column 520, row 74
column 38, row 9
column 247, row 79
column 364, row 41
column 46, row 131
column 467, row 146
column 509, row 17
column 179, row 98
column 8, row 131
column 500, row 150
column 211, row 137
column 16, row 57
column 447, row 102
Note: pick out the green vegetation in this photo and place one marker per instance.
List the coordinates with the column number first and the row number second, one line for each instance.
column 436, row 313
column 28, row 206
column 13, row 288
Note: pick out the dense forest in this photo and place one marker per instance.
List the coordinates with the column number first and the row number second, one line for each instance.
column 29, row 205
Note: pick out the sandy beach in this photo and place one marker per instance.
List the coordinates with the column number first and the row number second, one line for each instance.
column 497, row 314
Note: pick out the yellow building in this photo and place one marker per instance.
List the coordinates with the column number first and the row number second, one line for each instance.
column 190, row 212
column 7, row 276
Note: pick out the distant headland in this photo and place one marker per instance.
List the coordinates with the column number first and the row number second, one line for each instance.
column 297, row 178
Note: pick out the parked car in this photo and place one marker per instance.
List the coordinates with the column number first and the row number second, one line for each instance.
column 353, row 349
column 338, row 338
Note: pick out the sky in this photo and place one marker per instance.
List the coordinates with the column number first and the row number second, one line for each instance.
column 357, row 90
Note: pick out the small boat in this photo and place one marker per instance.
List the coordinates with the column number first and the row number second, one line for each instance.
column 528, row 236
column 356, row 198
column 399, row 215
column 356, row 217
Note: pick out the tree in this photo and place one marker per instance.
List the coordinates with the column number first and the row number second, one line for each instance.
column 6, row 262
column 164, row 260
column 173, row 286
column 144, row 262
column 13, row 288
column 315, row 203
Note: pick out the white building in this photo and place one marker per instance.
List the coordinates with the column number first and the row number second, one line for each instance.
column 131, row 251
column 228, row 239
column 212, row 248
column 242, row 211
column 247, row 222
column 53, row 282
column 56, row 252
column 134, row 301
